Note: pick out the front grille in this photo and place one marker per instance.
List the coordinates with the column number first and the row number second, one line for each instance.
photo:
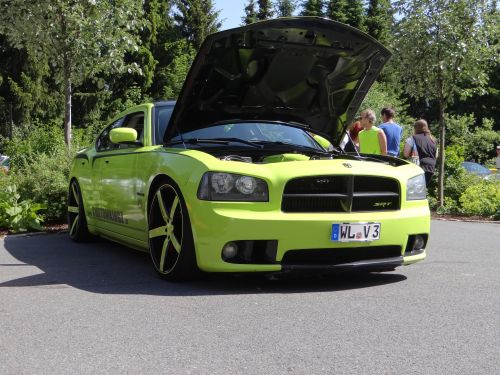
column 341, row 194
column 339, row 255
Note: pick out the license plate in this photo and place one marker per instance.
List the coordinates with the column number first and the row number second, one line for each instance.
column 355, row 232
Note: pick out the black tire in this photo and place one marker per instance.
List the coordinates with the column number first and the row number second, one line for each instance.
column 77, row 222
column 171, row 243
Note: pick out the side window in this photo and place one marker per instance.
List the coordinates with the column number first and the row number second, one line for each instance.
column 103, row 143
column 162, row 117
column 133, row 120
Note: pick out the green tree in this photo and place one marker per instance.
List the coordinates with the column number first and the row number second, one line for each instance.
column 173, row 75
column 354, row 13
column 284, row 8
column 79, row 38
column 265, row 9
column 26, row 89
column 379, row 20
column 250, row 13
column 312, row 8
column 196, row 19
column 335, row 10
column 478, row 142
column 443, row 46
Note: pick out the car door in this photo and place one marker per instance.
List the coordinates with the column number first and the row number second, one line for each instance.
column 118, row 212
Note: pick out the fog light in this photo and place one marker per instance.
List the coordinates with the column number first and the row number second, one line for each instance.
column 230, row 250
column 419, row 242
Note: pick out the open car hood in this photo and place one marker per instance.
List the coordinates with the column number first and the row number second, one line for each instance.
column 308, row 70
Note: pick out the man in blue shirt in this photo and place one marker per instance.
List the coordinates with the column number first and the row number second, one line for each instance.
column 393, row 131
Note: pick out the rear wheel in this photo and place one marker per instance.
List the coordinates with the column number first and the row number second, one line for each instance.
column 77, row 223
column 170, row 237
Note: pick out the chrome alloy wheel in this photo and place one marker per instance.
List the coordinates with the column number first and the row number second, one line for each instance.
column 166, row 229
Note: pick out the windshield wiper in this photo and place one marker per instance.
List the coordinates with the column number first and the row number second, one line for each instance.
column 219, row 141
column 293, row 146
column 239, row 140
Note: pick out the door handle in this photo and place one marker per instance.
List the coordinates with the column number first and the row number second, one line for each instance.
column 106, row 161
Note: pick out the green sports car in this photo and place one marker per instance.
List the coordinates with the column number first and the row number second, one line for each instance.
column 236, row 177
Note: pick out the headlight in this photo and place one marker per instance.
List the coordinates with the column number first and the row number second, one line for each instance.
column 415, row 188
column 218, row 186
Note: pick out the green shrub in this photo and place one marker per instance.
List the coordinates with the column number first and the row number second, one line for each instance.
column 40, row 164
column 44, row 178
column 18, row 216
column 481, row 199
column 477, row 139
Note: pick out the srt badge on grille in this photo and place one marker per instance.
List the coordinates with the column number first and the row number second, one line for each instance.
column 347, row 165
column 322, row 180
column 382, row 204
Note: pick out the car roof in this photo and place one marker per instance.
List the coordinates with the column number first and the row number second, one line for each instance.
column 164, row 103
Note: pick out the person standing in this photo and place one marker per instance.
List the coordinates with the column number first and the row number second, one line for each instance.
column 393, row 131
column 371, row 139
column 498, row 159
column 353, row 144
column 426, row 148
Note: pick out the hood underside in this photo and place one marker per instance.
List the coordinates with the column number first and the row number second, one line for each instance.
column 308, row 70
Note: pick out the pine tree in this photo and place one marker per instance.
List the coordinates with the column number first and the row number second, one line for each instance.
column 336, row 10
column 312, row 8
column 355, row 14
column 284, row 8
column 196, row 19
column 27, row 92
column 379, row 20
column 160, row 31
column 265, row 9
column 250, row 13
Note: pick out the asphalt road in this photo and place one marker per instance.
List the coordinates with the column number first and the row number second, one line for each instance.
column 98, row 308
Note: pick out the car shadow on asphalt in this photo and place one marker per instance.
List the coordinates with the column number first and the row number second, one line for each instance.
column 108, row 268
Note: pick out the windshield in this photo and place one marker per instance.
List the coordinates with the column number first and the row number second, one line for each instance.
column 254, row 132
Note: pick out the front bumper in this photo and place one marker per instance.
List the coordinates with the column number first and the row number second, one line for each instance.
column 215, row 224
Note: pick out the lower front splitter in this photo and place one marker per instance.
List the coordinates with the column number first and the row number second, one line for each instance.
column 374, row 265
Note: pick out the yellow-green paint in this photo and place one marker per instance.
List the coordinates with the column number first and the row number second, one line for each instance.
column 125, row 182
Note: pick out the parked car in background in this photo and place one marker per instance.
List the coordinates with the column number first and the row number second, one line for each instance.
column 476, row 168
column 4, row 164
column 493, row 177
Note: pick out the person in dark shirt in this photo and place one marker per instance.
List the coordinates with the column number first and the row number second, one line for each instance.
column 426, row 148
column 393, row 131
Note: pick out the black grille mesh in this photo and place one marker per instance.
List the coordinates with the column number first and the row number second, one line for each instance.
column 341, row 194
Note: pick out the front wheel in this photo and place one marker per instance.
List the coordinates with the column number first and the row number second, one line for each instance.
column 170, row 237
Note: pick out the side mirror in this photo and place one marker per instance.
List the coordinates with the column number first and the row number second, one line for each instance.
column 123, row 136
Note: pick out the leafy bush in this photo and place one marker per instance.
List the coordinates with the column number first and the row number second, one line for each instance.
column 481, row 199
column 44, row 178
column 40, row 163
column 18, row 216
column 478, row 141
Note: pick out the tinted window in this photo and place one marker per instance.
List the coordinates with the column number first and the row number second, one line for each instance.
column 162, row 117
column 103, row 143
column 133, row 120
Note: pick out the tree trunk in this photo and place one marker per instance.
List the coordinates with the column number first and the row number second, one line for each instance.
column 67, row 109
column 442, row 134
